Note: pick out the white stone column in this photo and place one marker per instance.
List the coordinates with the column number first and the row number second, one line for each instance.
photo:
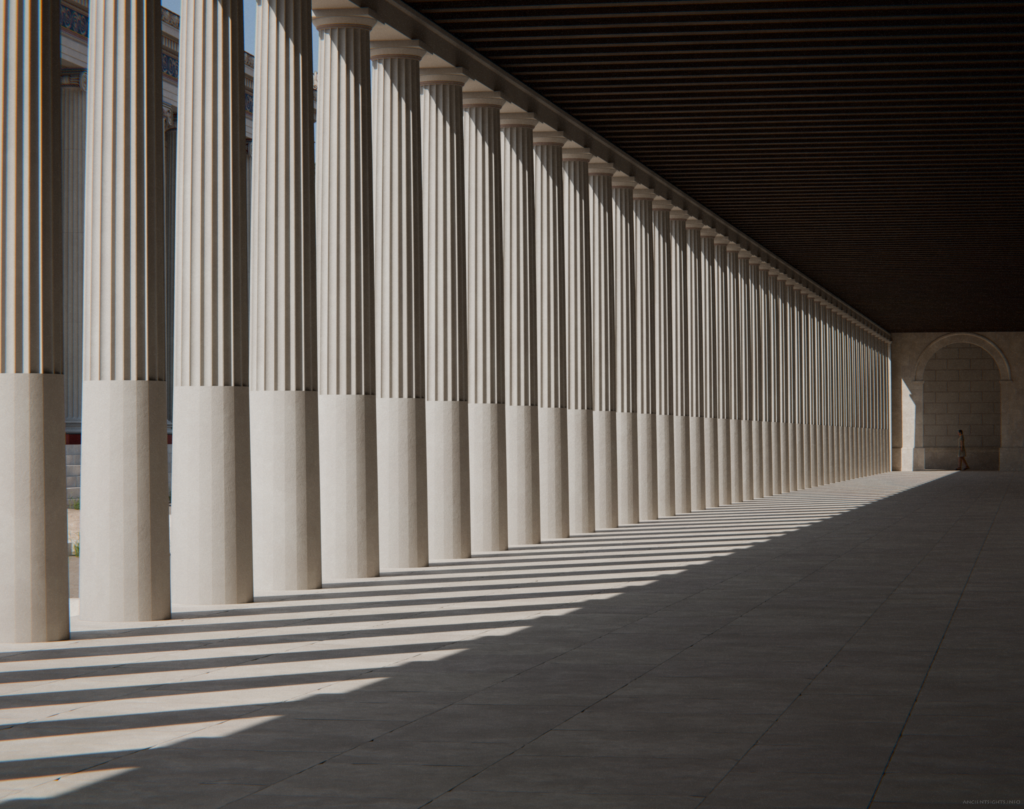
column 520, row 264
column 125, row 571
column 666, row 367
column 485, row 323
column 282, row 294
column 170, row 215
column 552, row 424
column 759, row 443
column 398, row 269
column 72, row 183
column 697, row 377
column 746, row 322
column 710, row 347
column 734, row 375
column 33, row 521
column 679, row 357
column 786, row 437
column 211, row 535
column 723, row 369
column 627, row 451
column 444, row 266
column 347, row 405
column 777, row 378
column 604, row 345
column 798, row 383
column 580, row 337
column 646, row 356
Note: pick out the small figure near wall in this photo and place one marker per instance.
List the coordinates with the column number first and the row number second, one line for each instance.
column 962, row 455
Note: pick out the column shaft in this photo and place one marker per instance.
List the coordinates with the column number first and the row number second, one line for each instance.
column 679, row 358
column 665, row 367
column 33, row 522
column 346, row 359
column 696, row 307
column 626, row 450
column 646, row 368
column 211, row 536
column 73, row 130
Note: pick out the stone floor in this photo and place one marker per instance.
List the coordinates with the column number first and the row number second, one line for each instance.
column 851, row 646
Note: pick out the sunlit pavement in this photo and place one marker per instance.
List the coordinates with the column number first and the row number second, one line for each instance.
column 849, row 646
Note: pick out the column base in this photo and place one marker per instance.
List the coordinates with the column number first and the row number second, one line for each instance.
column 448, row 520
column 698, row 465
column 665, row 432
column 628, row 462
column 756, row 460
column 125, row 569
column 488, row 495
column 402, row 483
column 681, row 462
column 606, row 490
column 211, row 532
column 647, row 466
column 581, row 471
column 33, row 515
column 285, row 490
column 349, row 538
column 711, row 488
column 724, row 461
column 523, row 473
column 735, row 461
column 553, row 454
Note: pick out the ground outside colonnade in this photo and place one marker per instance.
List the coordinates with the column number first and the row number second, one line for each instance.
column 852, row 645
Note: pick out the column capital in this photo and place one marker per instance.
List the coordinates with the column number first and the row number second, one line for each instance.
column 575, row 152
column 745, row 254
column 622, row 180
column 732, row 247
column 396, row 49
column 641, row 192
column 678, row 214
column 545, row 135
column 708, row 233
column 662, row 204
column 482, row 99
column 720, row 239
column 693, row 223
column 73, row 77
column 599, row 166
column 443, row 75
column 325, row 18
column 518, row 119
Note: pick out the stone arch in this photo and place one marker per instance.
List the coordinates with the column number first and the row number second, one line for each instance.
column 963, row 337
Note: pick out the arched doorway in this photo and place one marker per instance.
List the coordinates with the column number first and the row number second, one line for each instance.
column 961, row 392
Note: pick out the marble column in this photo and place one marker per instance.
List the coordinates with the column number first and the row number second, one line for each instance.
column 627, row 450
column 723, row 368
column 282, row 310
column 734, row 345
column 485, row 323
column 33, row 522
column 170, row 215
column 346, row 363
column 711, row 348
column 125, row 573
column 552, row 414
column 73, row 129
column 520, row 266
column 785, row 386
column 211, row 535
column 778, row 370
column 646, row 353
column 398, row 270
column 665, row 365
column 604, row 344
column 746, row 323
column 798, row 381
column 759, row 457
column 696, row 370
column 678, row 314
column 444, row 267
column 580, row 337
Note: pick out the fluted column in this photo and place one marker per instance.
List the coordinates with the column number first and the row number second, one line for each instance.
column 552, row 425
column 520, row 266
column 170, row 215
column 125, row 573
column 485, row 323
column 282, row 287
column 756, row 393
column 679, row 359
column 775, row 379
column 72, row 135
column 785, row 379
column 211, row 536
column 800, row 385
column 697, row 377
column 444, row 267
column 346, row 357
column 711, row 360
column 602, row 249
column 33, row 524
column 734, row 346
column 646, row 357
column 723, row 367
column 579, row 338
column 398, row 263
column 626, row 449
column 665, row 368
column 744, row 322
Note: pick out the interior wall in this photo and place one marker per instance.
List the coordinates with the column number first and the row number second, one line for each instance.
column 909, row 449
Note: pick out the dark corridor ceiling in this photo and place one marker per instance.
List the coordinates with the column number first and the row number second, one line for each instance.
column 876, row 147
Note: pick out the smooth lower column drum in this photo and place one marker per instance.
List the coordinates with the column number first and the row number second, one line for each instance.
column 602, row 255
column 211, row 534
column 33, row 520
column 398, row 263
column 282, row 306
column 580, row 335
column 444, row 265
column 520, row 266
column 552, row 425
column 346, row 305
column 125, row 572
column 485, row 322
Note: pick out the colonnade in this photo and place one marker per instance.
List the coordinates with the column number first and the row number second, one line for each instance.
column 459, row 331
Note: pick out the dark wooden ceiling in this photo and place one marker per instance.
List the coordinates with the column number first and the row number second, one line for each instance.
column 876, row 147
